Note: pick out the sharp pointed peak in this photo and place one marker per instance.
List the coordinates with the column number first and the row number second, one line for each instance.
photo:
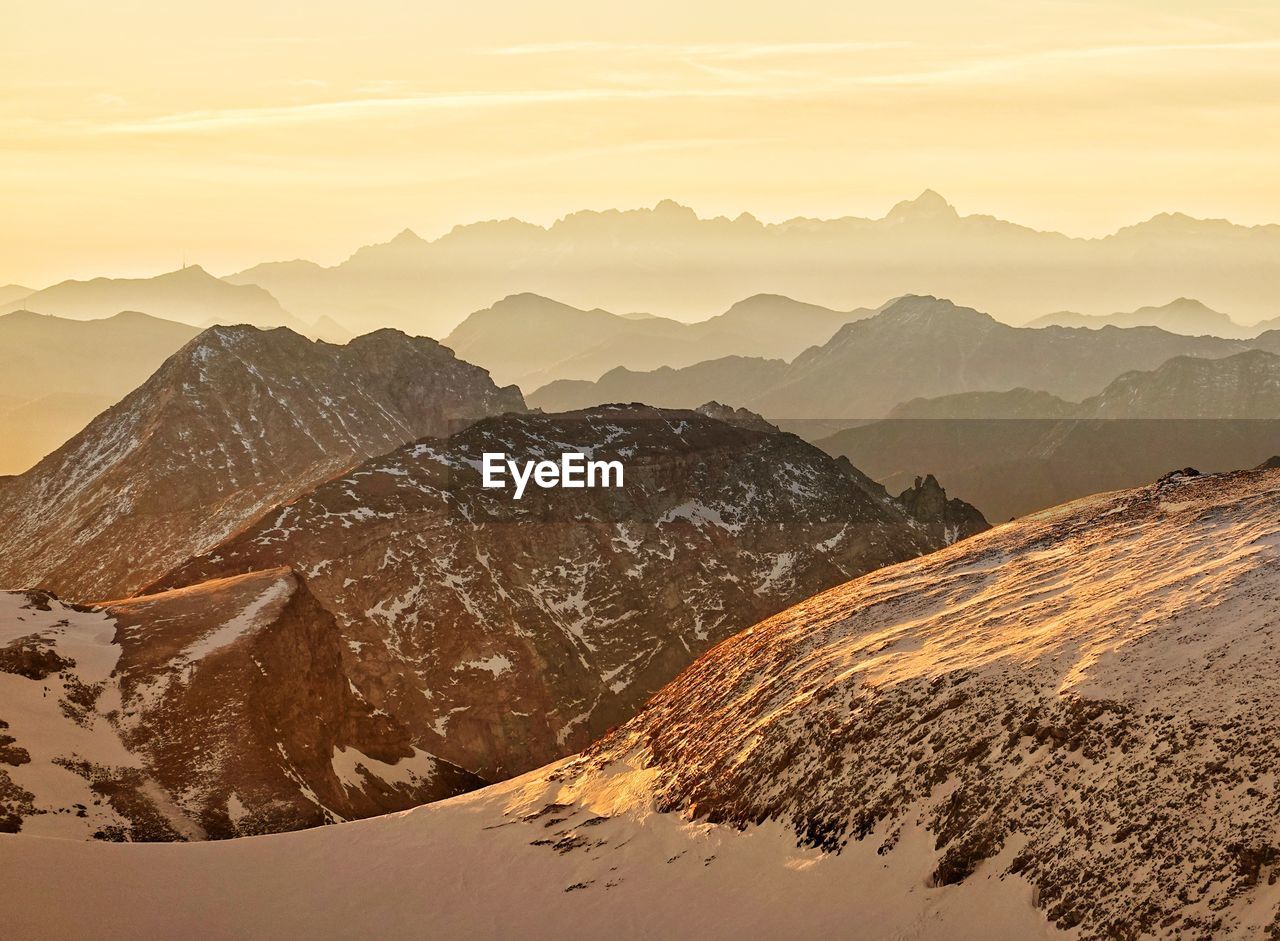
column 407, row 236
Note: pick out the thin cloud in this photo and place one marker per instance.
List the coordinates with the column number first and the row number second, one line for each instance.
column 709, row 50
column 360, row 108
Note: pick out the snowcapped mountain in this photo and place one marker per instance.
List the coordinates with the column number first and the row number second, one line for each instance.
column 236, row 421
column 214, row 711
column 507, row 633
column 1063, row 727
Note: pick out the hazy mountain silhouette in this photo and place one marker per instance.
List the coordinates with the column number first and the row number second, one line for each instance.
column 532, row 340
column 56, row 374
column 667, row 259
column 190, row 295
column 915, row 347
column 9, row 293
column 1184, row 315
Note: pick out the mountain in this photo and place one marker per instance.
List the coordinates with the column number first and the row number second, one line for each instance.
column 13, row 292
column 215, row 711
column 56, row 374
column 667, row 259
column 505, row 633
column 915, row 347
column 1020, row 451
column 1044, row 729
column 1184, row 315
column 531, row 340
column 1246, row 385
column 233, row 423
column 190, row 295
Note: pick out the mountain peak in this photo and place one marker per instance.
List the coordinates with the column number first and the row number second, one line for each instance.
column 673, row 209
column 925, row 309
column 188, row 273
column 407, row 236
column 929, row 205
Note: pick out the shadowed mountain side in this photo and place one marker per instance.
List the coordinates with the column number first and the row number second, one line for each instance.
column 667, row 259
column 1019, row 451
column 1010, row 468
column 1244, row 385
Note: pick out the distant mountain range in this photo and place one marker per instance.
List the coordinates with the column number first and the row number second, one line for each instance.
column 1184, row 315
column 532, row 340
column 232, row 424
column 13, row 292
column 190, row 295
column 668, row 260
column 56, row 374
column 914, row 347
column 1016, row 452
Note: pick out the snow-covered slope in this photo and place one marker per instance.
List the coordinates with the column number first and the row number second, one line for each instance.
column 213, row 711
column 233, row 423
column 1068, row 722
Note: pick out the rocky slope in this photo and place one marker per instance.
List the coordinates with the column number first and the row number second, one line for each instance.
column 506, row 633
column 233, row 423
column 531, row 340
column 214, row 711
column 915, row 347
column 1064, row 727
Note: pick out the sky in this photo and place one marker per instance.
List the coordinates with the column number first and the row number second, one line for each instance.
column 138, row 134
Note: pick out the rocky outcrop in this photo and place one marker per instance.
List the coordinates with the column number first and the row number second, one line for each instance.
column 735, row 416
column 946, row 519
column 232, row 424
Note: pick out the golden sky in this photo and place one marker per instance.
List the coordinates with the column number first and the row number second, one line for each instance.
column 137, row 131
